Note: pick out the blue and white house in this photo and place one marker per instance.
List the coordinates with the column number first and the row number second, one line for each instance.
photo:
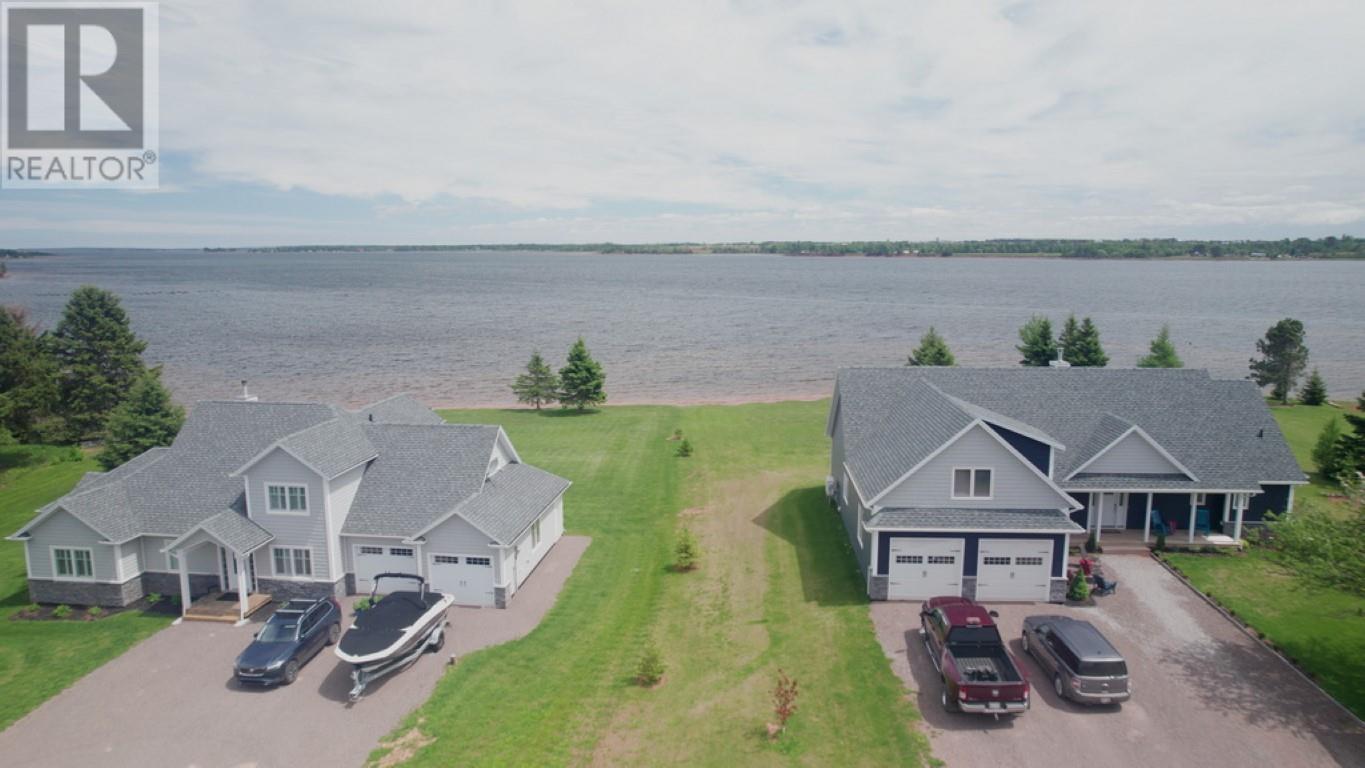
column 300, row 499
column 977, row 481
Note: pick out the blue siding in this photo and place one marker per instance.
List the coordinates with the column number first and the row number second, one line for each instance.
column 1275, row 499
column 1036, row 452
column 971, row 540
column 1137, row 507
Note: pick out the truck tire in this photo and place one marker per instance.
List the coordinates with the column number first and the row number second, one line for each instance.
column 948, row 699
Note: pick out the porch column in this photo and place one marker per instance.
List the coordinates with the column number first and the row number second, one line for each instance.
column 220, row 559
column 184, row 581
column 1289, row 503
column 1099, row 516
column 1147, row 519
column 1227, row 511
column 1241, row 506
column 1193, row 497
column 241, row 586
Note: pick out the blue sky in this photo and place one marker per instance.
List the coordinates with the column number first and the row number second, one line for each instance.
column 487, row 122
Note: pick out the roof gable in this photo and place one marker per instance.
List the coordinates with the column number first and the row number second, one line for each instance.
column 1133, row 453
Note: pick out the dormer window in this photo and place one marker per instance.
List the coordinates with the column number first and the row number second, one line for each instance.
column 972, row 483
column 287, row 499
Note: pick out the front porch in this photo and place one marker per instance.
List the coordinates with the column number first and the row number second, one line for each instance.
column 225, row 606
column 1129, row 520
column 1132, row 542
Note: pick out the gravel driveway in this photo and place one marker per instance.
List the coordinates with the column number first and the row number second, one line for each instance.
column 171, row 700
column 1204, row 693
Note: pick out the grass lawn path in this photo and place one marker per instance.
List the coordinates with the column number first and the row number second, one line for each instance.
column 777, row 588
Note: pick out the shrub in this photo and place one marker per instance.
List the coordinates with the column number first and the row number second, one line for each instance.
column 94, row 612
column 154, row 598
column 686, row 553
column 650, row 670
column 1092, row 544
column 1078, row 591
column 363, row 603
column 1322, row 545
column 677, row 434
column 1161, row 542
column 61, row 611
column 784, row 702
column 685, row 448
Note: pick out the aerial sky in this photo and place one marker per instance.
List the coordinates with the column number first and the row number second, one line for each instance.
column 497, row 122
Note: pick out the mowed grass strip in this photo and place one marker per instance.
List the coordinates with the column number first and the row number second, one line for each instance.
column 777, row 588
column 1301, row 425
column 39, row 659
column 1323, row 629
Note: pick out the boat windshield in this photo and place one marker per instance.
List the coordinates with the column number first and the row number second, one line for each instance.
column 279, row 631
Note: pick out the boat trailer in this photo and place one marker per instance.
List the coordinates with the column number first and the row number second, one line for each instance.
column 364, row 674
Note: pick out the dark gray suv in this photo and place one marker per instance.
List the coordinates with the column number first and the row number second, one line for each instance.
column 1084, row 666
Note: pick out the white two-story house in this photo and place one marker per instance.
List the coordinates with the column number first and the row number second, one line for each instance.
column 300, row 499
column 975, row 482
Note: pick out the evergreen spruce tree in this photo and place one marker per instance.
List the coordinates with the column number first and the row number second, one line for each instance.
column 1327, row 451
column 1081, row 344
column 1353, row 443
column 1314, row 390
column 581, row 380
column 932, row 350
column 1283, row 358
column 145, row 419
column 539, row 385
column 1038, row 347
column 1161, row 353
column 28, row 377
column 98, row 357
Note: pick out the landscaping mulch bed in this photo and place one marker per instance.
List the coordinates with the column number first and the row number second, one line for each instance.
column 82, row 613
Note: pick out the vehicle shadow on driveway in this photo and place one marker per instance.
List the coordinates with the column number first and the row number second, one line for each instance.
column 929, row 696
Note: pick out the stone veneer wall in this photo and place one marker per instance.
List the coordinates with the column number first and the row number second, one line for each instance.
column 85, row 592
column 877, row 587
column 499, row 597
column 1057, row 591
column 286, row 589
column 168, row 584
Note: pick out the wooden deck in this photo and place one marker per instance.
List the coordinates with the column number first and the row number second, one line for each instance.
column 1130, row 541
column 212, row 607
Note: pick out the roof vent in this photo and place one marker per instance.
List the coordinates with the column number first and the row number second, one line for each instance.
column 246, row 396
column 1059, row 362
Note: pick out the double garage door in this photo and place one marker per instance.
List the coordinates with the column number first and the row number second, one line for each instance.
column 1006, row 569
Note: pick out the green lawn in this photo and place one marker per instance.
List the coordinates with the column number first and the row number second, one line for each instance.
column 777, row 589
column 40, row 658
column 1301, row 425
column 1323, row 629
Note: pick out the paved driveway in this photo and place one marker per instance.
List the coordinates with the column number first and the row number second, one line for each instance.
column 171, row 700
column 1204, row 693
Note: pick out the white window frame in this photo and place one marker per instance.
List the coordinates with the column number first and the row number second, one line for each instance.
column 287, row 488
column 535, row 534
column 484, row 561
column 274, row 570
column 971, row 484
column 89, row 552
column 1201, row 499
column 844, row 490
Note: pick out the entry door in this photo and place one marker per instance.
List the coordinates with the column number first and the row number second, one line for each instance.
column 923, row 568
column 1114, row 510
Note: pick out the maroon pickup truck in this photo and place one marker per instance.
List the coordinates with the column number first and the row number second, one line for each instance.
column 979, row 674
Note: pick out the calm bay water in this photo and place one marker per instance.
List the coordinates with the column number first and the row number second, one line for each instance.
column 454, row 328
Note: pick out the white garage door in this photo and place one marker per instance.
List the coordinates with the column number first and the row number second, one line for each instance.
column 923, row 568
column 372, row 560
column 1014, row 569
column 468, row 577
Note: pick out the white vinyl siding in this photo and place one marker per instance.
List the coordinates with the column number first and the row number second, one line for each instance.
column 1015, row 483
column 130, row 556
column 1132, row 455
column 62, row 529
column 202, row 559
column 292, row 529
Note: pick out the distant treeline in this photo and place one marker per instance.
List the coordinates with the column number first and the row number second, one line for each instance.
column 1344, row 247
column 11, row 254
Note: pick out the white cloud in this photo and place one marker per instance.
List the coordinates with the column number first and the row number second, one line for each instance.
column 754, row 119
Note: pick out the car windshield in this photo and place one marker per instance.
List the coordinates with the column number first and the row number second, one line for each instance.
column 974, row 636
column 279, row 631
column 1103, row 669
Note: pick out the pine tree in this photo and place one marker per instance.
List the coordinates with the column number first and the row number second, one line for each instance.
column 932, row 350
column 581, row 380
column 147, row 418
column 1314, row 390
column 1352, row 443
column 1038, row 348
column 99, row 358
column 1283, row 358
column 539, row 385
column 1327, row 453
column 1081, row 345
column 28, row 376
column 1161, row 353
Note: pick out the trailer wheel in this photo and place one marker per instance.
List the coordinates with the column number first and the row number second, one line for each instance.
column 440, row 641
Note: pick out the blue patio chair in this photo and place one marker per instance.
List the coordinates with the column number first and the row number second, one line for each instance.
column 1201, row 521
column 1159, row 524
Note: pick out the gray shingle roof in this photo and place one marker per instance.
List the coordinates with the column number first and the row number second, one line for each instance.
column 1221, row 431
column 234, row 530
column 399, row 409
column 331, row 447
column 511, row 500
column 974, row 519
column 423, row 472
column 1092, row 481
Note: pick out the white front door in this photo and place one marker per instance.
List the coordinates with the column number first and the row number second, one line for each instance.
column 374, row 559
column 469, row 578
column 1014, row 569
column 1114, row 510
column 924, row 568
